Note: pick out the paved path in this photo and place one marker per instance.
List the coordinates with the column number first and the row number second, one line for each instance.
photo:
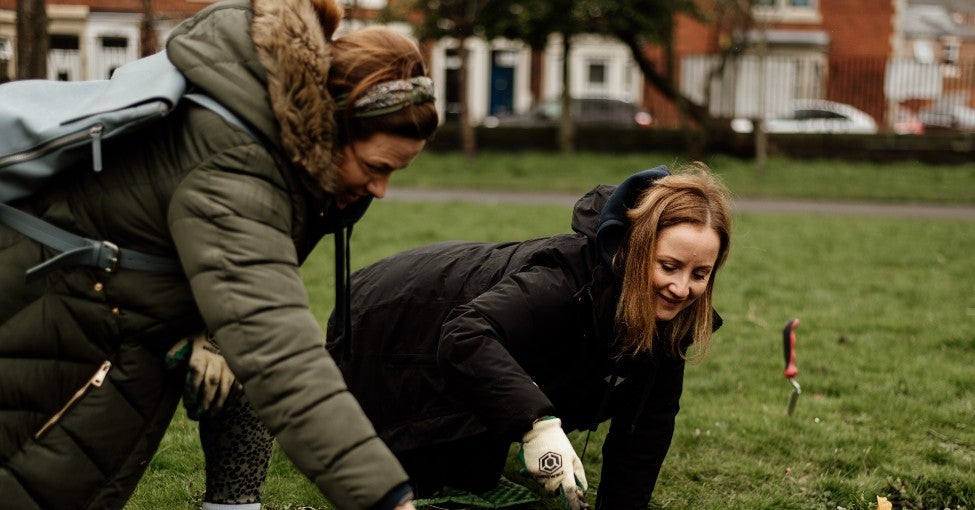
column 961, row 212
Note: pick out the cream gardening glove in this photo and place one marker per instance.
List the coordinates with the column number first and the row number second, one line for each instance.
column 552, row 461
column 209, row 379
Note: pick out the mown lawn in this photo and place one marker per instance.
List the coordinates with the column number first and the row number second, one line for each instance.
column 906, row 181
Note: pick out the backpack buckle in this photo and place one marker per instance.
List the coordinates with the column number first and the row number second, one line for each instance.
column 111, row 260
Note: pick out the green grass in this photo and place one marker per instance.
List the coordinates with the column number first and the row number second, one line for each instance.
column 885, row 346
column 810, row 180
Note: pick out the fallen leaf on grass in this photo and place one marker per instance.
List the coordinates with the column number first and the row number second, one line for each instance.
column 883, row 504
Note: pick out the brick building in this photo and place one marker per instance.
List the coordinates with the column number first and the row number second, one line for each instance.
column 878, row 55
column 90, row 38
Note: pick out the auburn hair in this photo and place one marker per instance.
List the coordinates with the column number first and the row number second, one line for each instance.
column 691, row 195
column 364, row 58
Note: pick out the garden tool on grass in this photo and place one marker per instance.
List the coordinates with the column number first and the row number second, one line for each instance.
column 791, row 370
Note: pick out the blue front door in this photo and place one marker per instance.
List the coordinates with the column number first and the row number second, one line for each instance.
column 502, row 82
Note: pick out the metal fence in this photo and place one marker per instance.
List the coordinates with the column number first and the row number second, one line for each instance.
column 891, row 90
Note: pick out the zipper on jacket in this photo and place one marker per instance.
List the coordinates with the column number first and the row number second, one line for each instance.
column 95, row 381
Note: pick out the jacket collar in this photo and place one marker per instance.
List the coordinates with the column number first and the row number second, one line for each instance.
column 297, row 55
column 267, row 61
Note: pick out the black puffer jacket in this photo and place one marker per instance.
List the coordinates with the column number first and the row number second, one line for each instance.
column 456, row 339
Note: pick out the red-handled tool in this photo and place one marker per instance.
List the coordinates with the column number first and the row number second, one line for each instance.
column 791, row 370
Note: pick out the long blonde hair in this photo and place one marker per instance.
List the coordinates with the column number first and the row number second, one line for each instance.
column 692, row 195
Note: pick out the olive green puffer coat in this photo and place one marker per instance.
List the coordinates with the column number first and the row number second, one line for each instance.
column 84, row 393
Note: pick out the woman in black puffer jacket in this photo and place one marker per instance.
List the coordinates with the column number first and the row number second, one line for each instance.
column 458, row 349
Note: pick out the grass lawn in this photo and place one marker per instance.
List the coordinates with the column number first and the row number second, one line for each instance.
column 809, row 180
column 885, row 346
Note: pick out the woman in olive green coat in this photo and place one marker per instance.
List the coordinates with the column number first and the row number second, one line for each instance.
column 85, row 395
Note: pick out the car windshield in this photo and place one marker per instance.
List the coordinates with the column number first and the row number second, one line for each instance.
column 813, row 114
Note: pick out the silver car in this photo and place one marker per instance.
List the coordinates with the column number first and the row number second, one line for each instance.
column 813, row 116
column 948, row 117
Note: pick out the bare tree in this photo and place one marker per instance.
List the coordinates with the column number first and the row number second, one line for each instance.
column 457, row 19
column 533, row 23
column 32, row 39
column 638, row 24
column 148, row 43
column 641, row 23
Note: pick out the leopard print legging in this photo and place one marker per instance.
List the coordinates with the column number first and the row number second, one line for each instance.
column 237, row 449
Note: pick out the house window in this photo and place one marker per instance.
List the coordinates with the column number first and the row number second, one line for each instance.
column 114, row 42
column 452, row 68
column 64, row 57
column 6, row 53
column 787, row 11
column 64, row 42
column 952, row 48
column 596, row 75
column 112, row 54
column 596, row 78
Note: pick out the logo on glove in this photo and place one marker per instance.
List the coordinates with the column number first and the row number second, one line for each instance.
column 550, row 463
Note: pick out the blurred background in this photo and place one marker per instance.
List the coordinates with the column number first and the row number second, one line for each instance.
column 886, row 79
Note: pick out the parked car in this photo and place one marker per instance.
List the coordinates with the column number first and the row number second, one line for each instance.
column 585, row 112
column 814, row 116
column 948, row 117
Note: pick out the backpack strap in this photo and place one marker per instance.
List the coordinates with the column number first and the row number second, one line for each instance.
column 76, row 250
column 211, row 104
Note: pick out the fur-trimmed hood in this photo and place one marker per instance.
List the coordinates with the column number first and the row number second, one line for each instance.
column 268, row 63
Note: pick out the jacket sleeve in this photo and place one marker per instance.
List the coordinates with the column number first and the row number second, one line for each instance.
column 232, row 228
column 636, row 445
column 488, row 346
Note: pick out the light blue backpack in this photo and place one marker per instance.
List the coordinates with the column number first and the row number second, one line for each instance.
column 50, row 126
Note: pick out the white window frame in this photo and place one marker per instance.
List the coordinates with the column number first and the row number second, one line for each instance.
column 365, row 4
column 6, row 49
column 784, row 11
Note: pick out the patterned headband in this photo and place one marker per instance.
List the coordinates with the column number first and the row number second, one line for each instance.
column 390, row 96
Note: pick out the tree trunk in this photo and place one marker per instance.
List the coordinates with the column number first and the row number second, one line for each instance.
column 566, row 126
column 467, row 140
column 148, row 44
column 661, row 82
column 32, row 39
